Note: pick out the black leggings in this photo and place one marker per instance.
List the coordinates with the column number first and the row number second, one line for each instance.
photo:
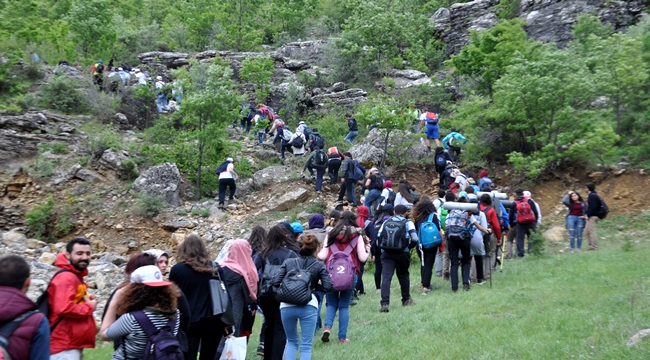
column 378, row 269
column 426, row 271
column 205, row 335
column 359, row 286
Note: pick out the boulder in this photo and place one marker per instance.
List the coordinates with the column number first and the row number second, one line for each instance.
column 295, row 65
column 345, row 98
column 178, row 224
column 171, row 60
column 288, row 200
column 269, row 175
column 73, row 171
column 100, row 282
column 164, row 180
column 88, row 175
column 35, row 243
column 366, row 153
column 47, row 258
column 244, row 187
column 13, row 237
column 113, row 160
column 336, row 87
column 556, row 233
column 310, row 51
column 282, row 75
column 402, row 145
column 441, row 19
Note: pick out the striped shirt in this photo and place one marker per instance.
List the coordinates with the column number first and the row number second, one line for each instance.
column 135, row 339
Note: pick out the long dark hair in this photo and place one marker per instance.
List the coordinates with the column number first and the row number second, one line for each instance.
column 277, row 238
column 579, row 197
column 257, row 239
column 335, row 215
column 403, row 189
column 345, row 227
column 422, row 209
column 194, row 254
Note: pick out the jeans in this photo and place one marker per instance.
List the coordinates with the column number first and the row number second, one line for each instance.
column 246, row 124
column 307, row 316
column 395, row 262
column 260, row 136
column 373, row 196
column 351, row 136
column 575, row 224
column 320, row 172
column 349, row 187
column 161, row 103
column 333, row 170
column 426, row 270
column 455, row 244
column 522, row 231
column 320, row 296
column 359, row 286
column 223, row 184
column 339, row 300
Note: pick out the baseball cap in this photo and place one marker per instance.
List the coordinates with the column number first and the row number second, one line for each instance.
column 527, row 193
column 230, row 160
column 297, row 227
column 462, row 194
column 149, row 275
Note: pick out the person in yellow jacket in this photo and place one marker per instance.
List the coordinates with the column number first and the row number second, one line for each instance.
column 98, row 74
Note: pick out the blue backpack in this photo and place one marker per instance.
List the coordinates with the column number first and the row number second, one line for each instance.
column 359, row 171
column 429, row 234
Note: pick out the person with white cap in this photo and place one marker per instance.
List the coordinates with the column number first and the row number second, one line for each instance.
column 539, row 212
column 227, row 180
column 147, row 305
column 161, row 98
column 375, row 185
column 142, row 78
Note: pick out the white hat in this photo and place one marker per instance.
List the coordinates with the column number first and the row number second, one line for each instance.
column 158, row 77
column 136, row 70
column 527, row 193
column 119, row 69
column 149, row 275
column 156, row 253
column 302, row 122
column 374, row 169
column 230, row 160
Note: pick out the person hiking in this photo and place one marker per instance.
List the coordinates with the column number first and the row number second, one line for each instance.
column 227, row 179
column 460, row 181
column 594, row 205
column 98, row 74
column 353, row 129
column 451, row 141
column 477, row 244
column 441, row 158
column 336, row 157
column 31, row 338
column 384, row 213
column 302, row 126
column 446, row 177
column 161, row 98
column 575, row 218
column 375, row 185
column 431, row 120
column 306, row 314
column 316, row 227
column 70, row 305
column 262, row 124
column 161, row 257
column 317, row 160
column 346, row 237
column 280, row 246
column 282, row 137
column 420, row 214
column 368, row 227
column 403, row 196
column 401, row 231
column 387, row 195
column 142, row 78
column 348, row 180
column 148, row 304
column 316, row 140
column 246, row 114
column 459, row 231
column 297, row 142
column 492, row 240
column 335, row 216
column 442, row 215
column 524, row 214
column 415, row 115
column 484, row 182
column 538, row 223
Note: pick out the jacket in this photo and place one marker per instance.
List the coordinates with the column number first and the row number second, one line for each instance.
column 492, row 219
column 318, row 233
column 567, row 203
column 28, row 341
column 593, row 200
column 352, row 124
column 448, row 140
column 77, row 330
column 317, row 272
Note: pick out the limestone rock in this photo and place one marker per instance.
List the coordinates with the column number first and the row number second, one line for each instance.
column 366, row 153
column 13, row 237
column 171, row 60
column 47, row 258
column 98, row 246
column 556, row 233
column 112, row 160
column 344, row 98
column 119, row 227
column 88, row 175
column 310, row 51
column 270, row 175
column 288, row 200
column 178, row 224
column 164, row 180
column 73, row 171
column 35, row 243
column 100, row 282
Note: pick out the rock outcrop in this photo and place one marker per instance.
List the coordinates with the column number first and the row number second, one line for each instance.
column 162, row 180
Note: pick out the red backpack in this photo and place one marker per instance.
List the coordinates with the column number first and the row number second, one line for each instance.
column 525, row 214
column 432, row 118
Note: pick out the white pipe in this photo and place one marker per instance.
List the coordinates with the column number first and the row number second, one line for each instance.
column 494, row 195
column 450, row 205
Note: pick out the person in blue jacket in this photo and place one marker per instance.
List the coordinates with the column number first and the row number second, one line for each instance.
column 451, row 142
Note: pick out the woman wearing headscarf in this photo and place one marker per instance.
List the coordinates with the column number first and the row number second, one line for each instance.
column 369, row 232
column 316, row 227
column 162, row 259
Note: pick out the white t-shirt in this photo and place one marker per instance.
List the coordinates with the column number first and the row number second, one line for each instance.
column 400, row 200
column 461, row 180
column 385, row 194
column 142, row 78
column 227, row 174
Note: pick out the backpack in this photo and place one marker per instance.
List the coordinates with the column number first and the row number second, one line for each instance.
column 429, row 234
column 341, row 267
column 359, row 170
column 296, row 285
column 266, row 288
column 333, row 153
column 162, row 343
column 443, row 215
column 393, row 235
column 317, row 140
column 223, row 167
column 415, row 195
column 391, row 197
column 525, row 214
column 298, row 142
column 488, row 185
column 8, row 328
column 320, row 158
column 432, row 118
column 378, row 183
column 458, row 224
column 286, row 134
column 99, row 68
column 441, row 160
column 603, row 210
column 306, row 130
column 43, row 303
column 485, row 211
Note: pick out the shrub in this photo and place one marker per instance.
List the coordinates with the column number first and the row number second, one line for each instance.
column 42, row 168
column 204, row 212
column 55, row 148
column 317, row 207
column 539, row 244
column 100, row 139
column 149, row 205
column 139, row 106
column 40, row 220
column 130, row 170
column 61, row 93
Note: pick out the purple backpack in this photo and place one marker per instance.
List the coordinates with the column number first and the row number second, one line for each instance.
column 162, row 344
column 341, row 267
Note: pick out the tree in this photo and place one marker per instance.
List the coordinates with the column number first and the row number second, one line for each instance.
column 91, row 22
column 258, row 71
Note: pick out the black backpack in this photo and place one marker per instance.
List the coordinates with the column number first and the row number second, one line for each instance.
column 266, row 288
column 320, row 158
column 603, row 210
column 298, row 142
column 43, row 303
column 393, row 235
column 8, row 328
column 317, row 140
column 162, row 343
column 391, row 197
column 296, row 285
column 378, row 183
column 223, row 167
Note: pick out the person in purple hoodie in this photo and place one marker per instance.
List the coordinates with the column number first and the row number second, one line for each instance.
column 31, row 339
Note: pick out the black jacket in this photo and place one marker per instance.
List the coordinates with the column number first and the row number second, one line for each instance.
column 317, row 272
column 513, row 209
column 352, row 124
column 593, row 204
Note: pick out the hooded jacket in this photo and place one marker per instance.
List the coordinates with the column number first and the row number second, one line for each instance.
column 77, row 330
column 14, row 303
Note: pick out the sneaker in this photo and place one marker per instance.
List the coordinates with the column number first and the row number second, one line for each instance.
column 408, row 302
column 425, row 291
column 352, row 302
column 438, row 274
column 384, row 308
column 344, row 341
column 319, row 192
column 326, row 335
column 466, row 287
column 378, row 291
column 260, row 349
column 480, row 282
column 312, row 176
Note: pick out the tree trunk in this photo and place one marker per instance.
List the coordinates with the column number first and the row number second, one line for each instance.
column 200, row 165
column 383, row 158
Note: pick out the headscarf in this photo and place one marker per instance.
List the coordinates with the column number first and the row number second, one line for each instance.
column 240, row 260
column 388, row 184
column 316, row 221
column 482, row 174
column 156, row 253
column 362, row 216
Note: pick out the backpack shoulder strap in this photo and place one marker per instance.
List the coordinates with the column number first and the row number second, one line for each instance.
column 353, row 245
column 144, row 322
column 8, row 328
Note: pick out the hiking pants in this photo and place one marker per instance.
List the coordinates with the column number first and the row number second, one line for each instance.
column 348, row 187
column 320, row 172
column 590, row 232
column 359, row 284
column 333, row 170
column 439, row 260
column 223, row 184
column 512, row 234
column 285, row 147
column 351, row 136
column 378, row 270
column 426, row 270
column 371, row 198
column 522, row 231
column 395, row 262
column 274, row 338
column 457, row 244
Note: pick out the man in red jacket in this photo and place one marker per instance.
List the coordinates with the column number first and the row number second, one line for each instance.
column 493, row 239
column 31, row 338
column 71, row 307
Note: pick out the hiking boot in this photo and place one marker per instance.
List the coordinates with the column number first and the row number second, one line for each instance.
column 384, row 308
column 344, row 341
column 260, row 349
column 408, row 302
column 466, row 287
column 326, row 335
column 446, row 276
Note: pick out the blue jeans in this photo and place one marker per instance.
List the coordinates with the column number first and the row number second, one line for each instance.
column 339, row 300
column 576, row 225
column 351, row 136
column 373, row 196
column 307, row 316
column 320, row 172
column 321, row 297
column 161, row 103
column 260, row 136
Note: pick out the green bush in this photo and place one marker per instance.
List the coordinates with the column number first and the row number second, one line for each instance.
column 57, row 148
column 316, row 207
column 40, row 220
column 61, row 93
column 99, row 139
column 203, row 212
column 130, row 169
column 538, row 242
column 42, row 168
column 149, row 205
column 66, row 222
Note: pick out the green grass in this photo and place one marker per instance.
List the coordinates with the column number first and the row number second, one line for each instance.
column 556, row 306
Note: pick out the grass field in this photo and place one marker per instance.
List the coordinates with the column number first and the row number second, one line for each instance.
column 556, row 306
